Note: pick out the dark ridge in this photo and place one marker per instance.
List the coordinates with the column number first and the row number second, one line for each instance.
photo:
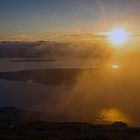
column 48, row 76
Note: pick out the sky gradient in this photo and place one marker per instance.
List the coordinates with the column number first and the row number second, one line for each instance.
column 44, row 19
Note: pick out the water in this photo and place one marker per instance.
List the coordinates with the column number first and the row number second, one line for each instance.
column 14, row 64
column 113, row 97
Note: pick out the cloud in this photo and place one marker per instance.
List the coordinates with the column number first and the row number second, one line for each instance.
column 86, row 36
column 20, row 37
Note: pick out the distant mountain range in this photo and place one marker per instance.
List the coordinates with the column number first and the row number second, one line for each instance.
column 12, row 115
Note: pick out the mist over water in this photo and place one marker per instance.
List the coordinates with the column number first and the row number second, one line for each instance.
column 102, row 95
column 106, row 95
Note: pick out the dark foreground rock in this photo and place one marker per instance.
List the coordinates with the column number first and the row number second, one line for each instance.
column 68, row 131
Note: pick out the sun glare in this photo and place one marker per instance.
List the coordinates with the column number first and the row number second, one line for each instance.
column 111, row 115
column 118, row 36
column 114, row 66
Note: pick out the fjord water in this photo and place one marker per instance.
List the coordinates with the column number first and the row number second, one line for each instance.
column 16, row 64
column 105, row 96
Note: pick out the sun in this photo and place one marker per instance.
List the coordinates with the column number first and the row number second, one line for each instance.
column 118, row 36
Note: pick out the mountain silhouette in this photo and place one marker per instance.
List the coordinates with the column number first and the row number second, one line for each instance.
column 12, row 115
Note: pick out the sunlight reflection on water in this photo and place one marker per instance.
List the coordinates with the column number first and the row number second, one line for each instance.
column 111, row 115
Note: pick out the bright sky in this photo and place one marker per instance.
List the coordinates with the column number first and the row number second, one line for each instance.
column 44, row 19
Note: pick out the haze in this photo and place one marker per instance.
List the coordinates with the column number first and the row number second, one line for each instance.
column 94, row 42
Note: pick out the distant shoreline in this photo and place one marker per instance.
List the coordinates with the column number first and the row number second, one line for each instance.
column 48, row 76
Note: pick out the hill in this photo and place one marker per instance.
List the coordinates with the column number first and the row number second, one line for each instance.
column 21, row 124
